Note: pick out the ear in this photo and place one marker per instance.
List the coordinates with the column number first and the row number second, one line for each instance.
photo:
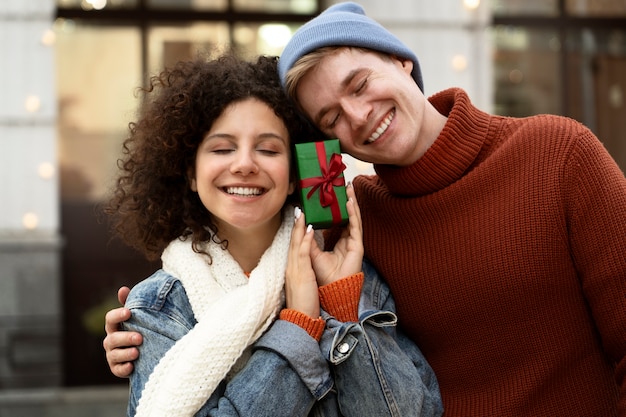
column 293, row 178
column 407, row 65
column 292, row 187
column 192, row 180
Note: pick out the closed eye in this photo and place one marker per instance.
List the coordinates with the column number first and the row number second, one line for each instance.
column 361, row 86
column 268, row 152
column 332, row 123
column 222, row 151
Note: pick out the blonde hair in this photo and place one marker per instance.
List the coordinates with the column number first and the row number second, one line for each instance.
column 311, row 60
column 304, row 65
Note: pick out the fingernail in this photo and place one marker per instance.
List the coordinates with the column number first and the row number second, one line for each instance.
column 297, row 212
column 309, row 228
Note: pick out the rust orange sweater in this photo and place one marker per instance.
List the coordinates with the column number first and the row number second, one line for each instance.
column 505, row 249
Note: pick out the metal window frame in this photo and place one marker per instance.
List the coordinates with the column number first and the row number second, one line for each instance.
column 563, row 22
column 143, row 17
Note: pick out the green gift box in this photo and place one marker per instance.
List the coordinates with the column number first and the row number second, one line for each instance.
column 322, row 184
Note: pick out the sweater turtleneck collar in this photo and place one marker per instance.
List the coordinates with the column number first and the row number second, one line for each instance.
column 450, row 156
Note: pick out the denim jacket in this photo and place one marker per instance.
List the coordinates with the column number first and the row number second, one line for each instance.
column 357, row 369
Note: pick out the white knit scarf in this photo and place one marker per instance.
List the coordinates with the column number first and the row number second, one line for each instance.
column 232, row 311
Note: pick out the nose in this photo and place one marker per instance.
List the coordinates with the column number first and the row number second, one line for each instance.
column 244, row 163
column 356, row 110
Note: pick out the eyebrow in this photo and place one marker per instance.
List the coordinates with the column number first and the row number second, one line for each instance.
column 262, row 135
column 344, row 83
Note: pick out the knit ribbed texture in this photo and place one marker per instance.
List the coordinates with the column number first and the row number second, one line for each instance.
column 232, row 312
column 505, row 249
column 341, row 298
column 314, row 327
column 344, row 24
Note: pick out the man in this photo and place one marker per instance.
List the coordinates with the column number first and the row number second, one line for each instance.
column 503, row 240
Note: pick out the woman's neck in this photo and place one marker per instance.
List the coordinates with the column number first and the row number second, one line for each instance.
column 246, row 246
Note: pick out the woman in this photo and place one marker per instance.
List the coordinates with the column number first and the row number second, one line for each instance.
column 232, row 323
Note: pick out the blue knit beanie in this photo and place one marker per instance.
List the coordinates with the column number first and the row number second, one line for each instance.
column 344, row 24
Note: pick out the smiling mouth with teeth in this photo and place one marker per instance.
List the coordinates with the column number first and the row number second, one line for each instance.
column 383, row 127
column 244, row 191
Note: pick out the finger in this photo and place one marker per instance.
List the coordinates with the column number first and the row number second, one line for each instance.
column 122, row 294
column 122, row 370
column 302, row 247
column 120, row 340
column 354, row 212
column 121, row 361
column 114, row 318
column 296, row 236
column 303, row 295
column 355, row 227
column 298, row 227
column 316, row 250
column 122, row 355
column 307, row 243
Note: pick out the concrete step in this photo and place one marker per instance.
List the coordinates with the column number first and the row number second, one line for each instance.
column 106, row 401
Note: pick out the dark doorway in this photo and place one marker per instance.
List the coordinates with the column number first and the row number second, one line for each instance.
column 93, row 267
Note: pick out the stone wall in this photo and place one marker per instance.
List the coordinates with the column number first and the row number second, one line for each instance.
column 30, row 306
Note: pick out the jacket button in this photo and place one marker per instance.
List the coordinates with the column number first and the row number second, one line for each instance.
column 343, row 348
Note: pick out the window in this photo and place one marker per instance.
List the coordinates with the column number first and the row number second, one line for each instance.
column 104, row 50
column 565, row 57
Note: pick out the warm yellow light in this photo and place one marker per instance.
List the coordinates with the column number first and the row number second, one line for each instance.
column 48, row 38
column 275, row 35
column 30, row 221
column 616, row 96
column 471, row 4
column 459, row 62
column 244, row 35
column 94, row 4
column 99, row 4
column 46, row 170
column 32, row 103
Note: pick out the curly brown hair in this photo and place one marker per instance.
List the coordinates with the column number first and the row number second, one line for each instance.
column 152, row 202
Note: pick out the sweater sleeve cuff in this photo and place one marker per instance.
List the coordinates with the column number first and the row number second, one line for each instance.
column 341, row 298
column 314, row 327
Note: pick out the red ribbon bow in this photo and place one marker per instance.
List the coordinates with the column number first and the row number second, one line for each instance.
column 330, row 178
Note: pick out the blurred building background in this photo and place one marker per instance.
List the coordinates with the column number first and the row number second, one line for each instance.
column 68, row 71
